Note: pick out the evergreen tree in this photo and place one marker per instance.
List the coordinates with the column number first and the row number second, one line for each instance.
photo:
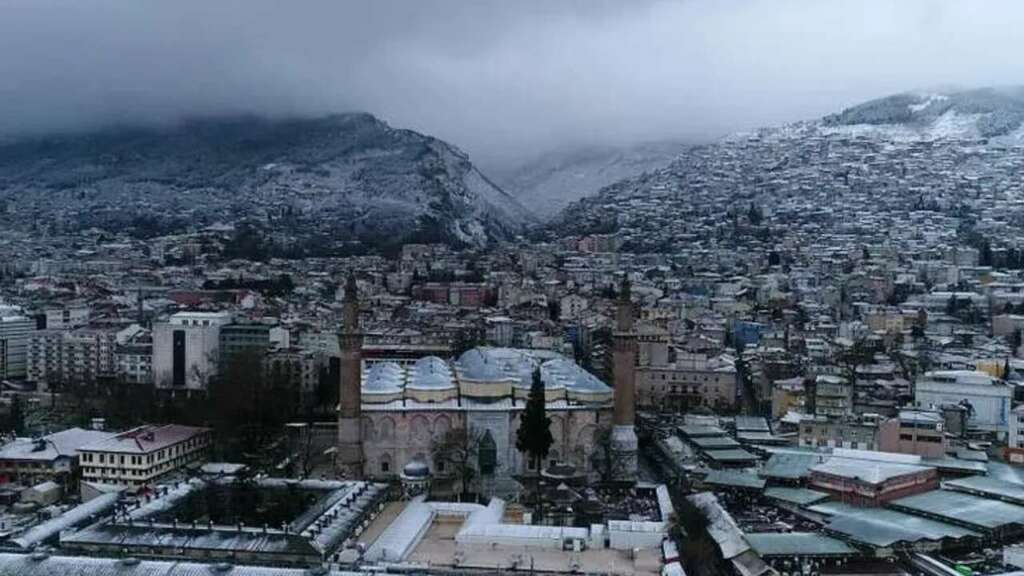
column 17, row 417
column 534, row 435
column 755, row 215
column 985, row 254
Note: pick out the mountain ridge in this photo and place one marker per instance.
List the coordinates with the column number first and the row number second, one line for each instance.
column 982, row 113
column 344, row 177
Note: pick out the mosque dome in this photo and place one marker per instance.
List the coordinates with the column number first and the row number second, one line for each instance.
column 416, row 469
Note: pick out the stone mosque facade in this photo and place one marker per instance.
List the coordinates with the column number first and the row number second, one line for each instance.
column 407, row 407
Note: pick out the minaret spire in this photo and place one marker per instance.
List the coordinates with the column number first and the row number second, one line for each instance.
column 350, row 430
column 623, row 441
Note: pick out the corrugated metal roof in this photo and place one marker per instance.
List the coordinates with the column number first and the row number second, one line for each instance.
column 44, row 565
column 1009, row 491
column 960, row 508
column 883, row 527
column 735, row 479
column 798, row 544
column 799, row 496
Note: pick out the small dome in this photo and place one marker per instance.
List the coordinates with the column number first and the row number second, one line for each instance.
column 416, row 469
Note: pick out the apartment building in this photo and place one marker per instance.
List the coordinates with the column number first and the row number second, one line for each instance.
column 134, row 357
column 989, row 399
column 692, row 380
column 66, row 317
column 143, row 455
column 71, row 357
column 54, row 457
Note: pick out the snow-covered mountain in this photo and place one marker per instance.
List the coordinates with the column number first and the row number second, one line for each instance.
column 996, row 114
column 336, row 179
column 554, row 180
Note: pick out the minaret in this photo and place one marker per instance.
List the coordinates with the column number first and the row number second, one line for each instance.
column 350, row 430
column 623, row 441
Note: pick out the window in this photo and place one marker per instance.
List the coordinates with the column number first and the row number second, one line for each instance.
column 385, row 467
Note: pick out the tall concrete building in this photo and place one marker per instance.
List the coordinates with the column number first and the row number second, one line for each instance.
column 350, row 440
column 623, row 440
column 14, row 336
column 186, row 351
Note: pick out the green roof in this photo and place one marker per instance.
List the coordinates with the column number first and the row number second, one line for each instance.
column 693, row 431
column 964, row 509
column 798, row 544
column 735, row 455
column 761, row 437
column 791, row 465
column 948, row 463
column 798, row 496
column 883, row 527
column 735, row 479
column 711, row 442
column 752, row 424
column 985, row 486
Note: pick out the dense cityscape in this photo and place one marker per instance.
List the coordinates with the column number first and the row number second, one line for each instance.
column 792, row 351
column 458, row 289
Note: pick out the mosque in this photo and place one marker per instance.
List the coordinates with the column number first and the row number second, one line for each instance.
column 407, row 408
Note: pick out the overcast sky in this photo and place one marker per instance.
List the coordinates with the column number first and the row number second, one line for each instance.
column 501, row 79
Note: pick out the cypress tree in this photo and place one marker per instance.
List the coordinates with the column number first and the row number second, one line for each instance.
column 534, row 435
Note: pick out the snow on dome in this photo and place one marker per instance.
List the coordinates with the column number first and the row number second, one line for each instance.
column 431, row 381
column 503, row 364
column 570, row 375
column 383, row 377
column 431, row 364
column 431, row 373
column 478, row 364
column 416, row 469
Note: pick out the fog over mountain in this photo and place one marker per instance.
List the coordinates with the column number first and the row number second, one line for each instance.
column 501, row 80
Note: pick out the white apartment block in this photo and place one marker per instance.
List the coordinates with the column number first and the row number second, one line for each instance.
column 71, row 357
column 143, row 455
column 990, row 398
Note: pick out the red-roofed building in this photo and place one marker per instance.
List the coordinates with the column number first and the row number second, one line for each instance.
column 143, row 455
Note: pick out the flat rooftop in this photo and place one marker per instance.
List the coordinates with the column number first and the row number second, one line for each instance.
column 438, row 548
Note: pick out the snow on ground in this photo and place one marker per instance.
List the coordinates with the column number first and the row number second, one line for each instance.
column 927, row 100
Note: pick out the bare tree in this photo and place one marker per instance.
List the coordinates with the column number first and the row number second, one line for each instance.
column 458, row 449
column 603, row 458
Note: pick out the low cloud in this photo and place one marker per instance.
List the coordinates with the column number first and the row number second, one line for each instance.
column 503, row 80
